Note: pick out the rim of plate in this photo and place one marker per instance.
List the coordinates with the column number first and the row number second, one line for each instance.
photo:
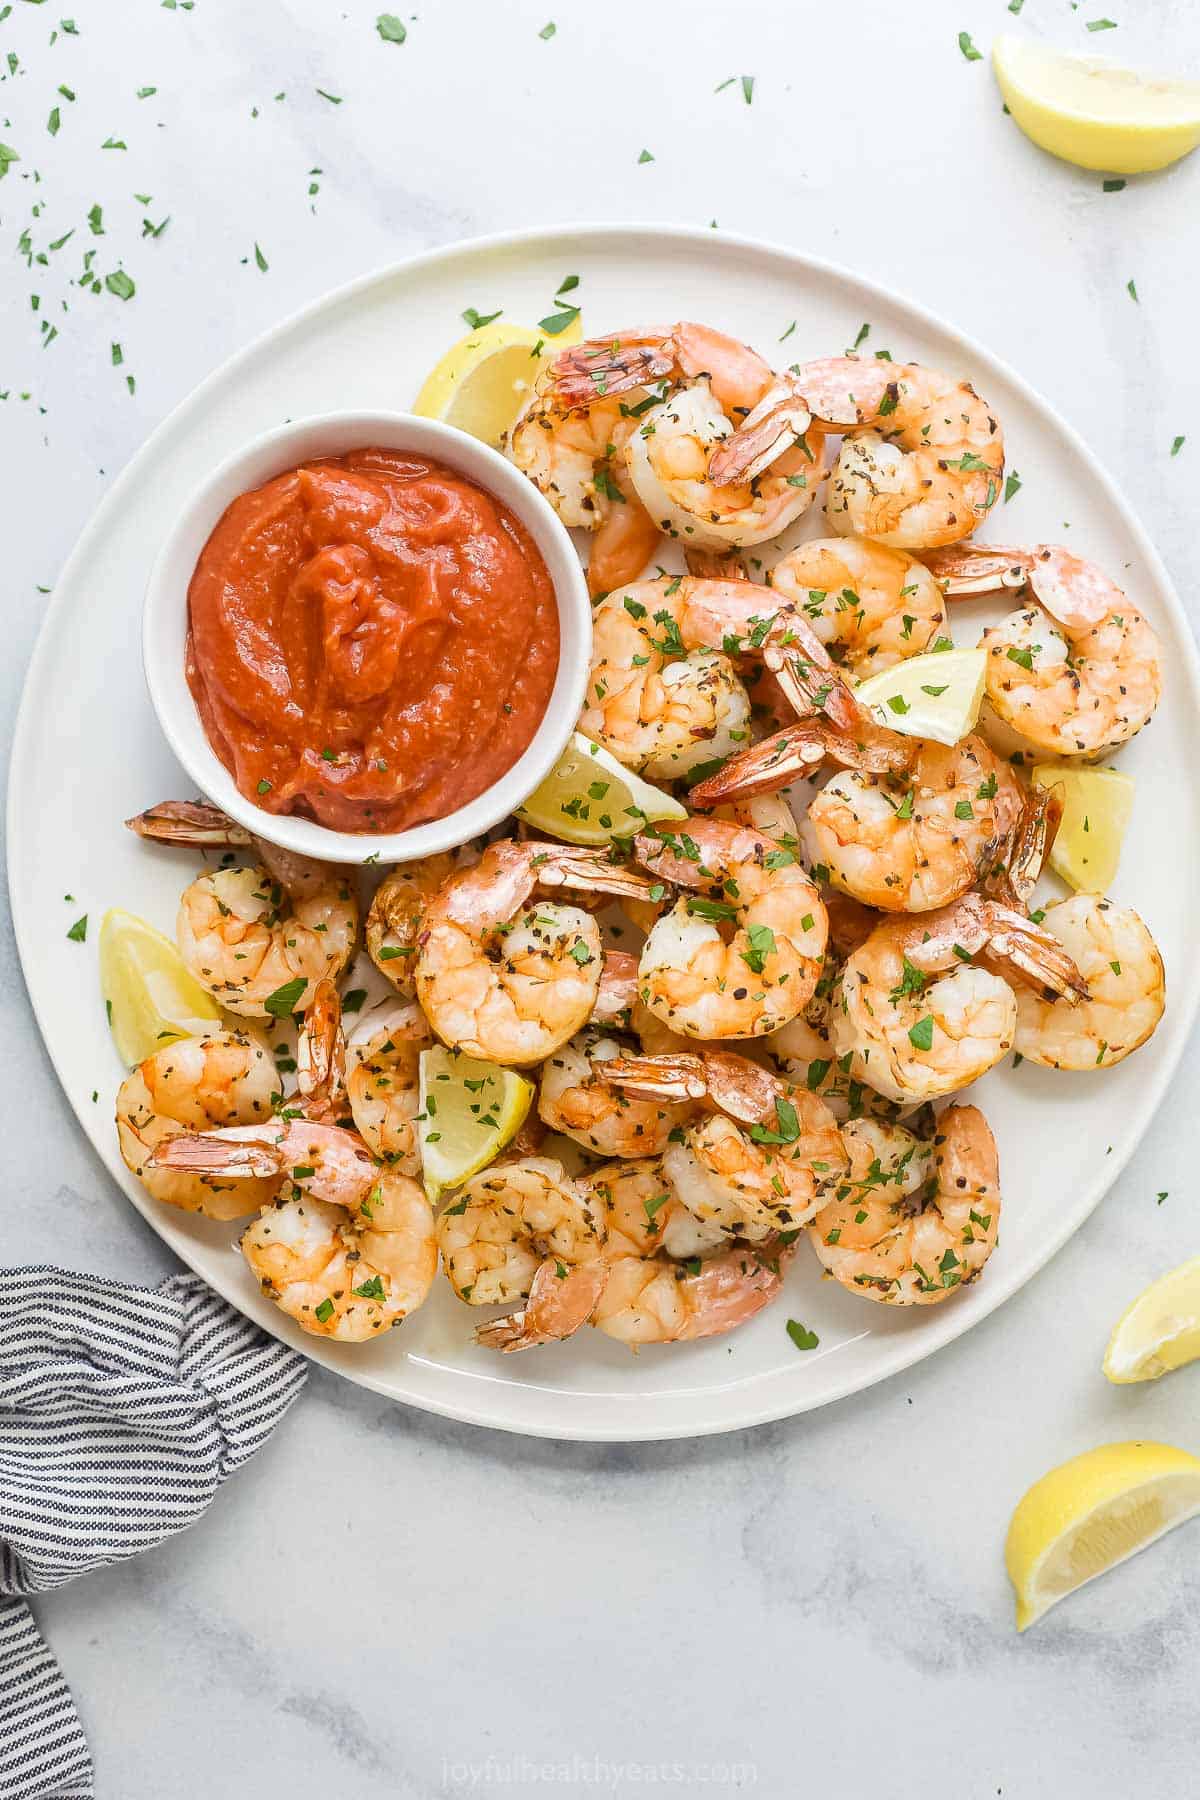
column 913, row 1347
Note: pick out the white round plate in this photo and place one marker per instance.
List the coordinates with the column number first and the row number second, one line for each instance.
column 88, row 754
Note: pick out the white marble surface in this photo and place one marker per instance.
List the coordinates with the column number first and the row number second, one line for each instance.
column 383, row 1602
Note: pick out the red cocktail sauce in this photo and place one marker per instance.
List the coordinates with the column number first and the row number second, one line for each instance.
column 373, row 640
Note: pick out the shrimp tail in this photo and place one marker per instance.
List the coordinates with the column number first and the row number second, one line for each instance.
column 561, row 1300
column 618, row 987
column 186, row 822
column 205, row 1153
column 788, row 755
column 1039, row 959
column 807, row 674
column 795, row 753
column 963, row 571
column 591, row 871
column 1014, row 878
column 600, row 367
column 843, row 391
column 671, row 1077
column 737, row 1086
column 778, row 421
column 321, row 1055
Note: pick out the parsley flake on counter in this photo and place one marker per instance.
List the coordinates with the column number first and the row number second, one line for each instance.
column 1113, row 184
column 967, row 47
column 548, row 30
column 78, row 931
column 801, row 1336
column 1177, row 446
column 476, row 320
column 259, row 258
column 390, row 29
column 120, row 284
column 644, row 156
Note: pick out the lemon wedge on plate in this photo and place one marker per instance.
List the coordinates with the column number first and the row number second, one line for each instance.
column 936, row 696
column 151, row 998
column 1092, row 112
column 469, row 1110
column 1160, row 1331
column 1090, row 1514
column 590, row 798
column 483, row 381
column 1097, row 805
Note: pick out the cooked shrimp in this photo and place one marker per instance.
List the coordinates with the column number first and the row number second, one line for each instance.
column 507, row 984
column 762, row 1162
column 870, row 606
column 916, row 842
column 922, row 457
column 348, row 1248
column 905, row 1232
column 1121, row 964
column 658, row 1293
column 383, row 1081
column 742, row 955
column 574, row 1098
column 664, row 693
column 915, row 1013
column 346, row 1272
column 253, row 934
column 524, row 1230
column 714, row 383
column 396, row 913
column 226, row 1079
column 1075, row 674
column 574, row 455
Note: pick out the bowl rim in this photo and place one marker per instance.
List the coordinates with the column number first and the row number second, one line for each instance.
column 268, row 453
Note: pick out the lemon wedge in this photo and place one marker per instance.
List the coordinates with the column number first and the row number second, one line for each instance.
column 469, row 1110
column 1092, row 112
column 151, row 998
column 1160, row 1331
column 483, row 381
column 590, row 798
column 936, row 696
column 1090, row 1514
column 1097, row 804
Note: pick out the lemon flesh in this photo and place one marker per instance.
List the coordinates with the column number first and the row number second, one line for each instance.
column 1092, row 1513
column 936, row 696
column 469, row 1110
column 1160, row 1331
column 591, row 798
column 483, row 381
column 1092, row 112
column 1097, row 806
column 151, row 998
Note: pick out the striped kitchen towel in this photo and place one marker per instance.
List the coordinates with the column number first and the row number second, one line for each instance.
column 122, row 1410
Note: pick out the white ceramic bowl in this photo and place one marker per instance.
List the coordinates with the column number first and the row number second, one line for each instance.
column 165, row 623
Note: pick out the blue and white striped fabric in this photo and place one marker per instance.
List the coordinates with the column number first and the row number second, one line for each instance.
column 122, row 1410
